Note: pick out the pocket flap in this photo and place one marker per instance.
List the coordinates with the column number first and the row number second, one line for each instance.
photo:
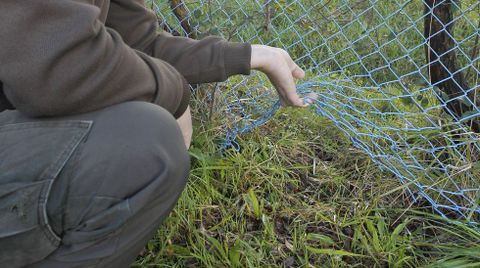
column 38, row 149
column 31, row 157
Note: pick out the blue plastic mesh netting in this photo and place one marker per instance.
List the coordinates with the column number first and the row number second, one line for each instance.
column 400, row 78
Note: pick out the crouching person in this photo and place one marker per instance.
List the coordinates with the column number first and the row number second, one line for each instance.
column 95, row 125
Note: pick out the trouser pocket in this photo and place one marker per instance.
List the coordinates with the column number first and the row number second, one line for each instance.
column 31, row 157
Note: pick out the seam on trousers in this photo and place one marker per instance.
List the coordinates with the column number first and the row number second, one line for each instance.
column 55, row 170
column 74, row 166
column 81, row 215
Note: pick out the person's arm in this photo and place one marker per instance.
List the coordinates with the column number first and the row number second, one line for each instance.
column 282, row 72
column 57, row 58
column 208, row 60
column 200, row 61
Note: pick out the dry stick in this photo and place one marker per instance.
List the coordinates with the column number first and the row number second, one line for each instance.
column 212, row 103
column 180, row 11
column 244, row 22
column 475, row 48
column 443, row 71
column 165, row 26
column 169, row 29
column 268, row 15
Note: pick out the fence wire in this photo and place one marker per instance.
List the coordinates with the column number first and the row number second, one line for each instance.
column 400, row 78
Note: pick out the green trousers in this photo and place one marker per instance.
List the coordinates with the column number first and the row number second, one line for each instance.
column 87, row 190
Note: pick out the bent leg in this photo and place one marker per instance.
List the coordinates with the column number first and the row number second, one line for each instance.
column 119, row 186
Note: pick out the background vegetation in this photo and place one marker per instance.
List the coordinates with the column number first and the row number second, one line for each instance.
column 299, row 193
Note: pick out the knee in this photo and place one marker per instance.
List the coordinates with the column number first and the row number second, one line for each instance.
column 158, row 160
column 133, row 158
column 141, row 141
column 155, row 137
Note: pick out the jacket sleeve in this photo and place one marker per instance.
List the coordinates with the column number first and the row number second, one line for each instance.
column 58, row 58
column 209, row 60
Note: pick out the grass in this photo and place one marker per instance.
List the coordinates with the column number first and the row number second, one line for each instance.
column 299, row 193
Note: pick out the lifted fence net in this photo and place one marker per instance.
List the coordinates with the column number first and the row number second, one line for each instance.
column 400, row 78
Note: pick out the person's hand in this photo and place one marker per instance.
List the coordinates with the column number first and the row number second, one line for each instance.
column 277, row 64
column 185, row 124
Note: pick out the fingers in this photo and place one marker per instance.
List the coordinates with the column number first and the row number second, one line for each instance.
column 297, row 72
column 310, row 98
column 282, row 72
column 286, row 87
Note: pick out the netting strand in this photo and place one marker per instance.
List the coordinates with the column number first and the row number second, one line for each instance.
column 400, row 78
